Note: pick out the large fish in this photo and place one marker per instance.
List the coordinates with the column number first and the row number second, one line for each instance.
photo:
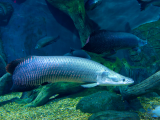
column 36, row 70
column 145, row 3
column 104, row 41
column 46, row 41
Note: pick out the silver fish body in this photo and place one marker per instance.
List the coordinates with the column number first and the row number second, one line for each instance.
column 36, row 70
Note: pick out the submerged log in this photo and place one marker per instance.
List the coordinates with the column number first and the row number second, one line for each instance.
column 54, row 89
column 151, row 84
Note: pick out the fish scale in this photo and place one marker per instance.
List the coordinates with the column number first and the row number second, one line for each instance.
column 35, row 70
column 29, row 75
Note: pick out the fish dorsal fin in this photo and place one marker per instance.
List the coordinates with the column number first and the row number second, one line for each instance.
column 144, row 4
column 72, row 49
column 97, row 32
column 11, row 66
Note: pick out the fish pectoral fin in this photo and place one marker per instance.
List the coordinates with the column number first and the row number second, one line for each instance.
column 90, row 85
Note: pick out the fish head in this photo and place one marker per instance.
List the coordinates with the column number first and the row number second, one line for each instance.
column 142, row 42
column 91, row 4
column 37, row 46
column 111, row 78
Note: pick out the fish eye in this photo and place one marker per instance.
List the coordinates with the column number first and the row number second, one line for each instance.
column 123, row 80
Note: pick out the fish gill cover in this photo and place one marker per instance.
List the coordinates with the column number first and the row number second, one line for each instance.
column 79, row 23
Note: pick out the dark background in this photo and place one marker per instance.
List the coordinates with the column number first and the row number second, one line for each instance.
column 33, row 19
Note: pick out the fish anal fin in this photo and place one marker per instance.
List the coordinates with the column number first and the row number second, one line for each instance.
column 11, row 66
column 89, row 85
column 45, row 83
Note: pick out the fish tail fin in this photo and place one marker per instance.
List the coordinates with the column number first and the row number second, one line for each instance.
column 11, row 66
column 144, row 4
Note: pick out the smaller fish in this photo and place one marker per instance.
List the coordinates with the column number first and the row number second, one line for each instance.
column 46, row 41
column 145, row 3
column 78, row 53
column 92, row 4
column 106, row 42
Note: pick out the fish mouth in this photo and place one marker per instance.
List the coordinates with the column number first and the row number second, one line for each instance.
column 142, row 42
column 128, row 82
column 36, row 47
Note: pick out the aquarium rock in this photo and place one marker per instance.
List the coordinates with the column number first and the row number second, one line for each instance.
column 101, row 101
column 5, row 84
column 114, row 115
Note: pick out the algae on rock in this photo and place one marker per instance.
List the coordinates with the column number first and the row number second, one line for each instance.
column 101, row 101
column 149, row 53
